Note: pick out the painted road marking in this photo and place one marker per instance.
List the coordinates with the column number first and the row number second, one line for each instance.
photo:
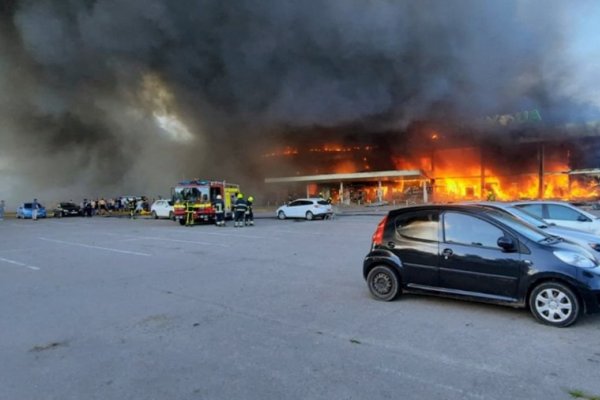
column 6, row 260
column 137, row 238
column 182, row 241
column 225, row 234
column 135, row 253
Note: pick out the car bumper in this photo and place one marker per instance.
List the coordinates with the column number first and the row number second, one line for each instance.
column 591, row 300
column 589, row 289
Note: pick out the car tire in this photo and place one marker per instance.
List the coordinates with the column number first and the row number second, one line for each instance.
column 555, row 304
column 182, row 221
column 309, row 216
column 171, row 216
column 384, row 284
column 281, row 215
column 154, row 216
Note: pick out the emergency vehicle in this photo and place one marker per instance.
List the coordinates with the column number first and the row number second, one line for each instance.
column 200, row 195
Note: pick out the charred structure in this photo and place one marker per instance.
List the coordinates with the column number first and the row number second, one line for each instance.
column 456, row 162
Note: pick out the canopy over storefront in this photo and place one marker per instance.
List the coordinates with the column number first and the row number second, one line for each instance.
column 375, row 177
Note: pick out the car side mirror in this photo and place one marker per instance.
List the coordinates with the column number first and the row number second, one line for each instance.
column 583, row 218
column 506, row 243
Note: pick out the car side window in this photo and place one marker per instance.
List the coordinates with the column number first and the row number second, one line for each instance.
column 307, row 203
column 420, row 226
column 535, row 209
column 565, row 213
column 471, row 231
column 294, row 203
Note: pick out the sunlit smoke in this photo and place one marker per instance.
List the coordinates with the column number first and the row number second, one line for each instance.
column 162, row 103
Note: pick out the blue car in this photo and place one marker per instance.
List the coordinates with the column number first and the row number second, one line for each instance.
column 25, row 211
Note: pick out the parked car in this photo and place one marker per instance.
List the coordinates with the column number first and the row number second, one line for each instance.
column 472, row 253
column 67, row 209
column 562, row 214
column 162, row 209
column 25, row 211
column 582, row 238
column 309, row 209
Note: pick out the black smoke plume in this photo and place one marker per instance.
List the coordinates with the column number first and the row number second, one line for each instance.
column 84, row 83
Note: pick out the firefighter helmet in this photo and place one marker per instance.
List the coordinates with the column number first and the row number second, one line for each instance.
column 219, row 197
column 250, row 199
column 240, row 196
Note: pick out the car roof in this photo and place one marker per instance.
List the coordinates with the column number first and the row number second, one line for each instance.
column 309, row 198
column 440, row 207
column 542, row 202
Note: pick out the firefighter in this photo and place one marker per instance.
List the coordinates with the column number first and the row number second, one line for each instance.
column 219, row 206
column 249, row 216
column 240, row 210
column 249, row 220
column 189, row 213
column 132, row 205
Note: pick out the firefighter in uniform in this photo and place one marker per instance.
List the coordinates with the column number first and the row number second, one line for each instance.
column 249, row 220
column 219, row 206
column 189, row 213
column 131, row 205
column 240, row 210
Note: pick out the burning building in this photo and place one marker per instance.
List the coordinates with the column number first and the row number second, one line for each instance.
column 442, row 163
column 98, row 93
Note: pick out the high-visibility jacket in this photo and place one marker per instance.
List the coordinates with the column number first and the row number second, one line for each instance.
column 240, row 205
column 219, row 206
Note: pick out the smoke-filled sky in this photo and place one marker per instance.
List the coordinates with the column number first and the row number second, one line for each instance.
column 110, row 97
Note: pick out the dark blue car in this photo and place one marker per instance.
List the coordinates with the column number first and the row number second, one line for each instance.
column 477, row 254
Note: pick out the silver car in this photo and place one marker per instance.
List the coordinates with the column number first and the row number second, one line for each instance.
column 582, row 238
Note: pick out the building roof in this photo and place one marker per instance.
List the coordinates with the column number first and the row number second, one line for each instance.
column 357, row 176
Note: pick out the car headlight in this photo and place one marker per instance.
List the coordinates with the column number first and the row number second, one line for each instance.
column 575, row 259
column 595, row 246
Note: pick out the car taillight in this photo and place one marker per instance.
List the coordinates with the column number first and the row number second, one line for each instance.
column 378, row 235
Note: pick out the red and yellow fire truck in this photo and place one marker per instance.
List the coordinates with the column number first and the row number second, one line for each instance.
column 199, row 196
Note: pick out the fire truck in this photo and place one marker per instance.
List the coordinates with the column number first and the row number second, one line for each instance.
column 200, row 195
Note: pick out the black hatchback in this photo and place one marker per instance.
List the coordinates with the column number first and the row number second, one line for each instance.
column 477, row 254
column 67, row 209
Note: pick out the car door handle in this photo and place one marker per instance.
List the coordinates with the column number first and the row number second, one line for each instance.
column 391, row 245
column 447, row 253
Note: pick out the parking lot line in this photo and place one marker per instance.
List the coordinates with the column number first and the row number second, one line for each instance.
column 226, row 234
column 6, row 260
column 135, row 253
column 181, row 241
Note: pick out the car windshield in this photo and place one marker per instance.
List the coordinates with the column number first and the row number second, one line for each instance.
column 529, row 231
column 27, row 205
column 529, row 217
column 190, row 194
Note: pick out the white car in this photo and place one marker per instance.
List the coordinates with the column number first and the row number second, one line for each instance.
column 562, row 214
column 162, row 209
column 305, row 208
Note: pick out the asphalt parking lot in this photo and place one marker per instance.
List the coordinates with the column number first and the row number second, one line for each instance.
column 109, row 308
